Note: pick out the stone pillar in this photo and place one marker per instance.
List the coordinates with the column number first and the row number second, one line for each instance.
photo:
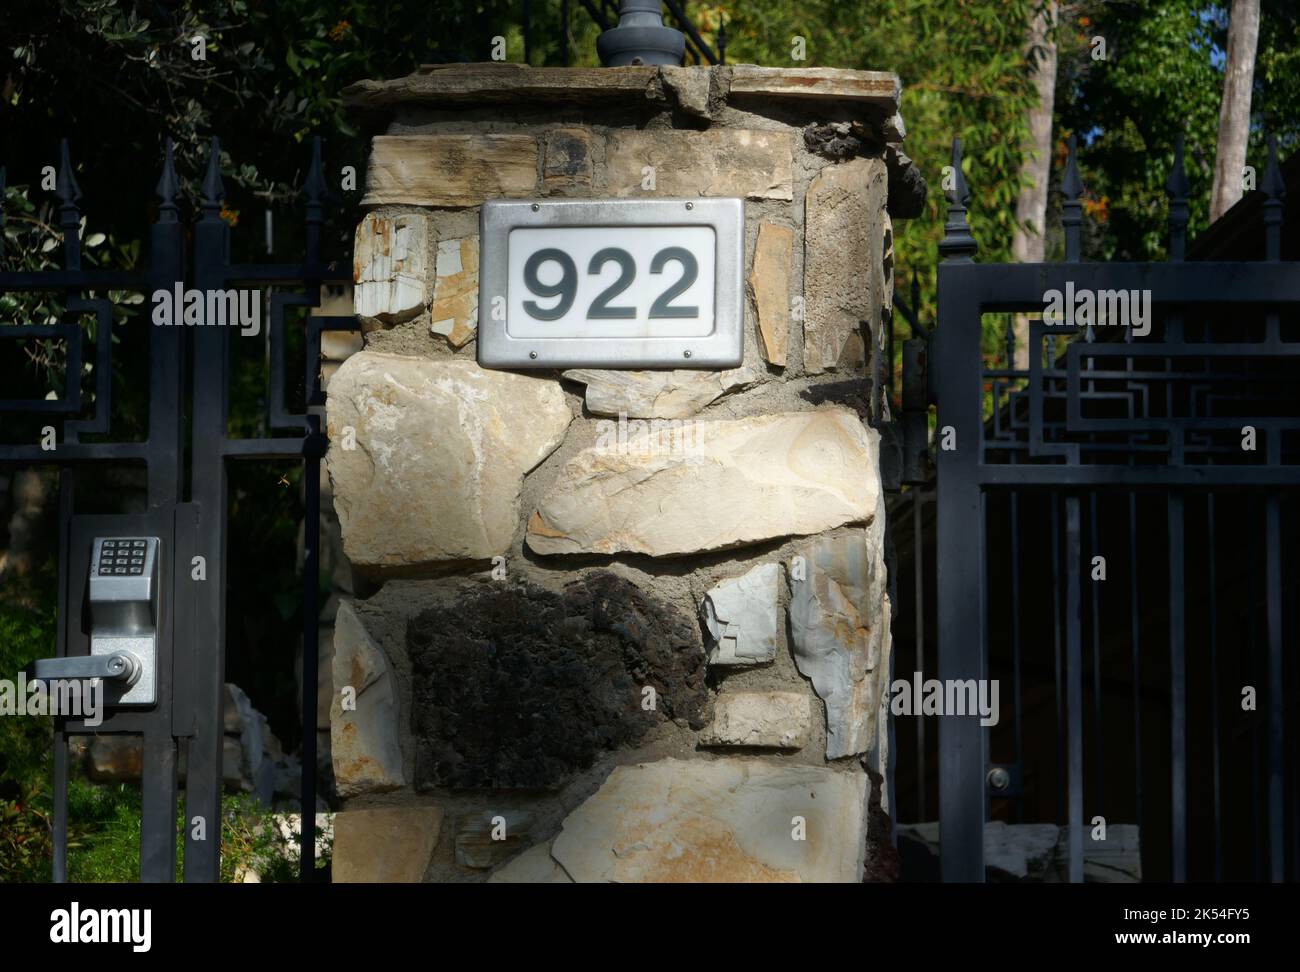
column 633, row 625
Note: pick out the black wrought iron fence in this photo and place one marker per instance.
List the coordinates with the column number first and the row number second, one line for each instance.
column 185, row 454
column 1112, row 521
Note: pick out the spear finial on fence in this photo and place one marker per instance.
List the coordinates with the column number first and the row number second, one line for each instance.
column 314, row 185
column 69, row 193
column 317, row 191
column 1274, row 193
column 1072, row 189
column 214, row 189
column 66, row 187
column 167, row 186
column 722, row 40
column 1178, row 189
column 957, row 244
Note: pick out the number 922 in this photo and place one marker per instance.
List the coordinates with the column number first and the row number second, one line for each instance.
column 603, row 307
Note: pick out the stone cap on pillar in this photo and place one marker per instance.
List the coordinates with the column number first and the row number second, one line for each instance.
column 859, row 105
column 492, row 82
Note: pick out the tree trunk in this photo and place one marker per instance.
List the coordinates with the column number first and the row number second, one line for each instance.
column 1027, row 245
column 1234, row 112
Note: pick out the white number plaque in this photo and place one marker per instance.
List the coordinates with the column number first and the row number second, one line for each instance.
column 611, row 283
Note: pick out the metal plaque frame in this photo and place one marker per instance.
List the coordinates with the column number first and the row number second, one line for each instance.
column 723, row 348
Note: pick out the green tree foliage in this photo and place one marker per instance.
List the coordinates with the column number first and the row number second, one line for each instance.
column 1162, row 76
column 963, row 68
column 117, row 76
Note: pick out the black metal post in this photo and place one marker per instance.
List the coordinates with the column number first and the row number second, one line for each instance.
column 208, row 492
column 960, row 558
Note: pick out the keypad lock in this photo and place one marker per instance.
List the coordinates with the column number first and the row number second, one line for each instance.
column 123, row 556
column 122, row 595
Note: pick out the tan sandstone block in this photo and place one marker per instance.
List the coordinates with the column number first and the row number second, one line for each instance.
column 716, row 162
column 770, row 285
column 439, row 452
column 392, row 845
column 838, row 84
column 723, row 820
column 454, row 311
column 844, row 217
column 450, row 170
column 364, row 743
column 699, row 485
column 765, row 720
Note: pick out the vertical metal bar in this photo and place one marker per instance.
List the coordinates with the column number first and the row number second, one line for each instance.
column 1072, row 205
column 313, row 450
column 1074, row 680
column 158, row 808
column 1135, row 632
column 1017, row 715
column 962, row 756
column 1177, row 188
column 960, row 563
column 1252, row 678
column 60, row 869
column 208, row 490
column 1056, row 658
column 1178, row 688
column 1212, row 583
column 310, row 649
column 1295, row 742
column 60, row 863
column 69, row 223
column 1017, row 725
column 1273, row 584
column 918, row 575
column 1094, row 595
column 166, row 348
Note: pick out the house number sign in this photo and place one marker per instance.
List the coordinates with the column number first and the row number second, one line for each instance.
column 611, row 283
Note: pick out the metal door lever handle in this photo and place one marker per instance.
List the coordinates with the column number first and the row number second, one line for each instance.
column 120, row 666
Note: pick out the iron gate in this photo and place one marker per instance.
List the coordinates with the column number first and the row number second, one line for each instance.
column 1129, row 490
column 185, row 453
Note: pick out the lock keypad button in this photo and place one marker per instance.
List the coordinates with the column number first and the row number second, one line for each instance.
column 121, row 556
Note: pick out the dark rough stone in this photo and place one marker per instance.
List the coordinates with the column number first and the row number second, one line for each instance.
column 839, row 140
column 568, row 158
column 516, row 686
column 907, row 187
